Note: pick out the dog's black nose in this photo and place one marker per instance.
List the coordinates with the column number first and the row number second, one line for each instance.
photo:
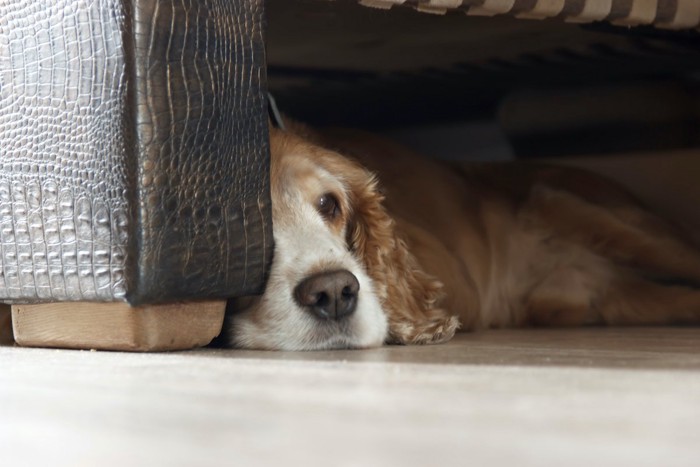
column 328, row 295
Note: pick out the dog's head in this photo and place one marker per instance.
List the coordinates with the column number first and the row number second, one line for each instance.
column 340, row 276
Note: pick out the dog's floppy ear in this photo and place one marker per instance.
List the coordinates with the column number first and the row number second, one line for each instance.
column 408, row 295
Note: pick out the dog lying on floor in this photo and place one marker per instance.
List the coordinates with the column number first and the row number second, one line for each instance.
column 375, row 244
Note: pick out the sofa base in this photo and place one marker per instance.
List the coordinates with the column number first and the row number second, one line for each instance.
column 117, row 326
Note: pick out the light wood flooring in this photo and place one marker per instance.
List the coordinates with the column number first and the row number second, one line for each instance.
column 586, row 397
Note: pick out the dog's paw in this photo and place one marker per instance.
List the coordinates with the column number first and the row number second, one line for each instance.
column 430, row 331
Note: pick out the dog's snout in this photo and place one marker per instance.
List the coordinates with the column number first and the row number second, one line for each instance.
column 328, row 295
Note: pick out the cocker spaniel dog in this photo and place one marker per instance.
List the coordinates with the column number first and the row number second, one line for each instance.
column 377, row 245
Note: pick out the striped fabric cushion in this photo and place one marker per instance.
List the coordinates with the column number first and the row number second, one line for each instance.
column 669, row 14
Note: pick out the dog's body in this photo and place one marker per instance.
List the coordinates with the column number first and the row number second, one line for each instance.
column 434, row 246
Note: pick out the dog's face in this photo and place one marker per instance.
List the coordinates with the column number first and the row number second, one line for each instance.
column 339, row 277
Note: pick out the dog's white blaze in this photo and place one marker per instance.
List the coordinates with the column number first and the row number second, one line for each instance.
column 304, row 244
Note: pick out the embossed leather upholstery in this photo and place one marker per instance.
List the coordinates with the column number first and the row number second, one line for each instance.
column 134, row 156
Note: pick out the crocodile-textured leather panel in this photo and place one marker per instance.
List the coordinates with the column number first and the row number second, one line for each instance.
column 64, row 216
column 202, row 135
column 133, row 137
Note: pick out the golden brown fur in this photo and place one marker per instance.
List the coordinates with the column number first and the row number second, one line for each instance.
column 484, row 245
column 481, row 218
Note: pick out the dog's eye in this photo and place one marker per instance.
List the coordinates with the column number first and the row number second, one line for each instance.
column 328, row 206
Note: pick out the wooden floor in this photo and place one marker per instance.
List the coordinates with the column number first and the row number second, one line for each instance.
column 591, row 397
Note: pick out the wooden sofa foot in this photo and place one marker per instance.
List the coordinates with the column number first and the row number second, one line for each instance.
column 117, row 326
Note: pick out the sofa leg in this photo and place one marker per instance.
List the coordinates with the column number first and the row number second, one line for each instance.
column 117, row 326
column 5, row 325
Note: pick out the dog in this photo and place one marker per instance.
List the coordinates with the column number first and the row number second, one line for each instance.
column 375, row 244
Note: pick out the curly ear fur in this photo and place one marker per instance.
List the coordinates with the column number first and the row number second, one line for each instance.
column 409, row 296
